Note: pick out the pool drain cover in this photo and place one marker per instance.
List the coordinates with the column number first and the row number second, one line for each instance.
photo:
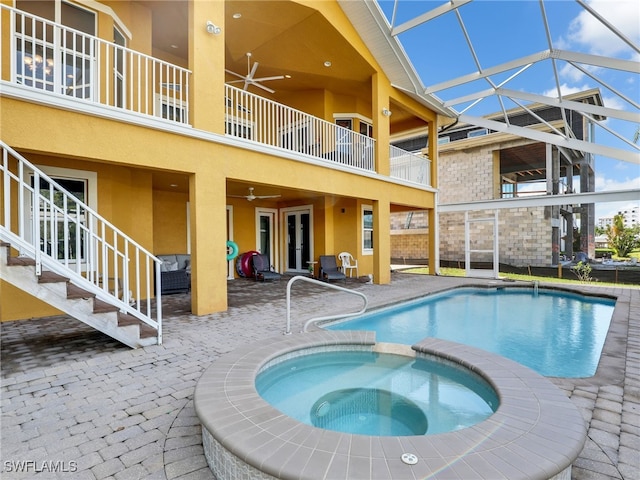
column 409, row 458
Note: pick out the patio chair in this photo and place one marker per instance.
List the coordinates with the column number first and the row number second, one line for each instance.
column 262, row 268
column 329, row 269
column 348, row 263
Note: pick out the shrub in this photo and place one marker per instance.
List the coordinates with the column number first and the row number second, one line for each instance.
column 582, row 270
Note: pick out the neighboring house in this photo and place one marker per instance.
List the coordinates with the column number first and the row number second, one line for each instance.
column 138, row 128
column 476, row 165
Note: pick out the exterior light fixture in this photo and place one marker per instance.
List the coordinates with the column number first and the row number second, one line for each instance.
column 212, row 28
column 386, row 112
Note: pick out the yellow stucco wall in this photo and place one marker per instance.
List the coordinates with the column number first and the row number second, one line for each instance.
column 124, row 156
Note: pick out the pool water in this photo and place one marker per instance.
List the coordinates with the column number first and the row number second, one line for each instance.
column 377, row 394
column 557, row 334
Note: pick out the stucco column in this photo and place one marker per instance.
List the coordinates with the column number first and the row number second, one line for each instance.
column 207, row 197
column 381, row 123
column 206, row 62
column 381, row 241
column 329, row 229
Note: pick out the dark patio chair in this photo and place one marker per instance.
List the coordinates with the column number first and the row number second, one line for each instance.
column 262, row 268
column 329, row 269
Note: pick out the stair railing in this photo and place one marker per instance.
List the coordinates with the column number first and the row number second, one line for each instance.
column 299, row 278
column 44, row 221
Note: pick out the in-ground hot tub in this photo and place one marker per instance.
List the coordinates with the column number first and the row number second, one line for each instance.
column 379, row 394
column 536, row 432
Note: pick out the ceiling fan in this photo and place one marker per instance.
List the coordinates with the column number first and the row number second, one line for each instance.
column 252, row 197
column 249, row 79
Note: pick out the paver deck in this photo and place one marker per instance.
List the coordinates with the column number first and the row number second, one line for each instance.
column 76, row 404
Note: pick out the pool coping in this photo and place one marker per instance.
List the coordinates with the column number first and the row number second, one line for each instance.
column 536, row 432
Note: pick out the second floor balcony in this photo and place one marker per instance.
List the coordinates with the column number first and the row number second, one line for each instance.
column 59, row 62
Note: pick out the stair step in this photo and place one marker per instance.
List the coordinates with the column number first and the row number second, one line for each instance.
column 20, row 261
column 73, row 291
column 103, row 307
column 146, row 331
column 51, row 277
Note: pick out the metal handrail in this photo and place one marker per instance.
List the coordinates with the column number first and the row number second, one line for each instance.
column 329, row 317
column 64, row 234
column 60, row 60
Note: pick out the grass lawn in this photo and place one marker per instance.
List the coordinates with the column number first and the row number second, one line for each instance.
column 570, row 277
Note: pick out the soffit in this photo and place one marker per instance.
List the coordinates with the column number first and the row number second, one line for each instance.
column 284, row 37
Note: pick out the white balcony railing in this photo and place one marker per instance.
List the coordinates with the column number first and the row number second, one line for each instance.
column 261, row 120
column 409, row 166
column 50, row 57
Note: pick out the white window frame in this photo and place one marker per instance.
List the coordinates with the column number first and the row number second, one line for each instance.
column 363, row 229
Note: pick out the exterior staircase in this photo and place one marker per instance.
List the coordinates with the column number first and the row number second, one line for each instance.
column 56, row 248
column 59, row 292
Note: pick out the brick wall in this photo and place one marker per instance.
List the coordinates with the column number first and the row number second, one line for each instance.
column 464, row 176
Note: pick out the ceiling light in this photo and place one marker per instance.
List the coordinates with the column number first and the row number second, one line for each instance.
column 287, row 76
column 173, row 46
column 327, row 63
column 386, row 112
column 237, row 15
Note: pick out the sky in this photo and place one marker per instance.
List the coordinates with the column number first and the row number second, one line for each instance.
column 504, row 30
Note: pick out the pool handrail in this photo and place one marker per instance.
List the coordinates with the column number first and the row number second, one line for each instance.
column 329, row 317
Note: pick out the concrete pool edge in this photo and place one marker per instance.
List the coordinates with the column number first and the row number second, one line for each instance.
column 535, row 433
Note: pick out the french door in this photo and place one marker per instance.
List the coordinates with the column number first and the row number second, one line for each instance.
column 266, row 233
column 298, row 237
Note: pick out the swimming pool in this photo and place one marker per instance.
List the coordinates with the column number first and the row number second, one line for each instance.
column 555, row 333
column 370, row 393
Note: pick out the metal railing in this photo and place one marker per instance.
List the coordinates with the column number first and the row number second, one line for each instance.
column 50, row 57
column 299, row 278
column 409, row 166
column 44, row 221
column 261, row 120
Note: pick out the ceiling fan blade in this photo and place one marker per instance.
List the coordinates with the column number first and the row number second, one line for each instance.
column 253, row 71
column 235, row 81
column 264, row 79
column 259, row 85
column 267, row 196
column 234, row 73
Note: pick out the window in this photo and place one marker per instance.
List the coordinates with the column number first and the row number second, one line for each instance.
column 118, row 68
column 366, row 129
column 477, row 133
column 171, row 108
column 443, row 140
column 367, row 230
column 46, row 60
column 299, row 137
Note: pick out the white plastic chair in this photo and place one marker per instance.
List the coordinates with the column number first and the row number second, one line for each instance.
column 348, row 263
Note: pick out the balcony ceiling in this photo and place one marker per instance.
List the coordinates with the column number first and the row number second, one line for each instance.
column 285, row 39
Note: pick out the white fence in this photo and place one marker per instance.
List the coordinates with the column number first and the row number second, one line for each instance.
column 261, row 120
column 409, row 166
column 51, row 57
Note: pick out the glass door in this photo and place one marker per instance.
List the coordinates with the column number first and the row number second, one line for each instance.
column 298, row 234
column 266, row 234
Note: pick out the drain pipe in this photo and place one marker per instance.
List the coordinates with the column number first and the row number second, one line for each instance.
column 330, row 317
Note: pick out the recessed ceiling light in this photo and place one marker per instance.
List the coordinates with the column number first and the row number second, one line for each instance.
column 174, row 185
column 287, row 76
column 237, row 15
column 327, row 63
column 173, row 46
